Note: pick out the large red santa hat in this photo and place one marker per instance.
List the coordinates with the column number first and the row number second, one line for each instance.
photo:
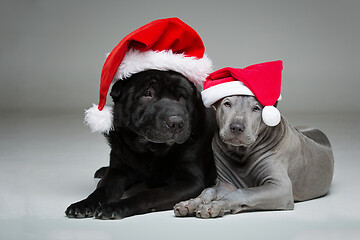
column 261, row 80
column 165, row 44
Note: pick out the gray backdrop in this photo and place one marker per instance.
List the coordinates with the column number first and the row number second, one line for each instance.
column 51, row 55
column 51, row 52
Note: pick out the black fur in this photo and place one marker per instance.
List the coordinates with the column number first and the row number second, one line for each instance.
column 162, row 138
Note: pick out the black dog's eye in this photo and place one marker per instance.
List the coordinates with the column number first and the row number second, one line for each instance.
column 256, row 108
column 147, row 94
column 227, row 104
column 182, row 94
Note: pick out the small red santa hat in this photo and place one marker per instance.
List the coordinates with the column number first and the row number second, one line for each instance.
column 261, row 80
column 164, row 44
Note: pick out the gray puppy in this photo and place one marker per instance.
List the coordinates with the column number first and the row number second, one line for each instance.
column 261, row 167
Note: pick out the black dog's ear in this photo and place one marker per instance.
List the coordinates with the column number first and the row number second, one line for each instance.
column 116, row 90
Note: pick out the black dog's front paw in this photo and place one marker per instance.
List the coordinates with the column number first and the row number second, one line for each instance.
column 82, row 209
column 110, row 211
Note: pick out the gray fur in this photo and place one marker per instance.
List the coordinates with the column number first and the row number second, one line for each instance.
column 261, row 167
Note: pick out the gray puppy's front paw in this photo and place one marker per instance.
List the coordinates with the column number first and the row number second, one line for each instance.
column 188, row 208
column 211, row 210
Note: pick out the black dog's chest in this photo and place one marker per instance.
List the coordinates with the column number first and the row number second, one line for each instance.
column 157, row 149
column 140, row 154
column 139, row 145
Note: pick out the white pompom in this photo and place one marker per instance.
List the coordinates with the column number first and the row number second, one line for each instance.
column 271, row 116
column 99, row 121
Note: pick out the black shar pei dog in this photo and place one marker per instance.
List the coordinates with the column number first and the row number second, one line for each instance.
column 161, row 137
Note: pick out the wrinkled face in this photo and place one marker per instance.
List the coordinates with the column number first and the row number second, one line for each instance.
column 239, row 120
column 157, row 105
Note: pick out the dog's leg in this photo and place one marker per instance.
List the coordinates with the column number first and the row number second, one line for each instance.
column 158, row 199
column 111, row 187
column 188, row 208
column 273, row 195
column 100, row 173
column 147, row 201
column 191, row 206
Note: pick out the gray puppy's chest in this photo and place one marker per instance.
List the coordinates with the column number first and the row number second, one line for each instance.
column 243, row 167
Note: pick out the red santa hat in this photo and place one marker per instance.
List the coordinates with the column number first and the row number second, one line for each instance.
column 165, row 44
column 261, row 80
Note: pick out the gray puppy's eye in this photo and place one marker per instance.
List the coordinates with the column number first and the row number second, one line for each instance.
column 227, row 104
column 256, row 108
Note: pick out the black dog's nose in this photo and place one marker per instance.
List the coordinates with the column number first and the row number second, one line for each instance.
column 175, row 123
column 237, row 128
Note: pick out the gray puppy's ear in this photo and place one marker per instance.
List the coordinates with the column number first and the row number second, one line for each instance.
column 216, row 104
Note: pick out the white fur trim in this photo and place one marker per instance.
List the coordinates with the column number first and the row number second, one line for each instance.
column 271, row 116
column 213, row 94
column 217, row 92
column 99, row 121
column 196, row 70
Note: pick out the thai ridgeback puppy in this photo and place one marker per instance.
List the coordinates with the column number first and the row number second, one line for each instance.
column 261, row 167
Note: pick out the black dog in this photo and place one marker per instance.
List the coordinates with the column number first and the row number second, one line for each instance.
column 161, row 137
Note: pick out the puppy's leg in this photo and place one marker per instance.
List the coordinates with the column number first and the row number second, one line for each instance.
column 273, row 195
column 188, row 208
column 191, row 206
column 111, row 187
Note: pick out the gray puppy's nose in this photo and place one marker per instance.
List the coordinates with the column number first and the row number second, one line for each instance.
column 175, row 123
column 237, row 128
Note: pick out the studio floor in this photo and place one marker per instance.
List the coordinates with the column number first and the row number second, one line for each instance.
column 48, row 160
